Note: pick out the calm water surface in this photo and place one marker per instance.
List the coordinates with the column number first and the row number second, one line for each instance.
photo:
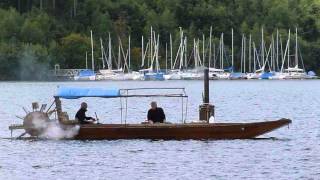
column 294, row 154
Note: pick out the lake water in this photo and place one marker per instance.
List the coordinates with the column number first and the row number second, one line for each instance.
column 293, row 154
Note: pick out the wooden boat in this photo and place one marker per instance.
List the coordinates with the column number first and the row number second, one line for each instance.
column 179, row 131
column 201, row 129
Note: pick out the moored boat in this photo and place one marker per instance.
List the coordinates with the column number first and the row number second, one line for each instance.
column 85, row 75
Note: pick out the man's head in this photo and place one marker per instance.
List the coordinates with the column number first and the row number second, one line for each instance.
column 84, row 105
column 153, row 105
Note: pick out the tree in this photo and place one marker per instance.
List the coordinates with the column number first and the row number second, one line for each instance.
column 73, row 48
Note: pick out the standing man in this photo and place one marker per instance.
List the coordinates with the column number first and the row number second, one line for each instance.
column 81, row 115
column 156, row 114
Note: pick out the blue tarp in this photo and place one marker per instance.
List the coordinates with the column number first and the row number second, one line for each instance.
column 86, row 73
column 154, row 76
column 77, row 92
column 266, row 75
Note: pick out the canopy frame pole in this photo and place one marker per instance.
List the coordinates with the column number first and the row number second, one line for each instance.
column 121, row 114
column 126, row 106
column 182, row 110
column 125, row 119
column 186, row 111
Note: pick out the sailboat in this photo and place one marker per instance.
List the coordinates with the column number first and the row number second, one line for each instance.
column 176, row 73
column 87, row 74
column 153, row 72
column 216, row 73
column 294, row 72
column 241, row 74
column 195, row 73
column 255, row 74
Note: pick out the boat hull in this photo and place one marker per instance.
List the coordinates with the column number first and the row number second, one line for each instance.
column 178, row 131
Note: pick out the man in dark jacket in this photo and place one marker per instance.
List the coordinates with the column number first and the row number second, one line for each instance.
column 156, row 114
column 81, row 115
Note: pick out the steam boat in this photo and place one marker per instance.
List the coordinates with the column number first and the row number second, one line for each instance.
column 200, row 129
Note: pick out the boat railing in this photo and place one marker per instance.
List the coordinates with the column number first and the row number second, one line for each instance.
column 126, row 93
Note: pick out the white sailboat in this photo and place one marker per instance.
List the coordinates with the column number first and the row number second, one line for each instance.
column 109, row 73
column 295, row 72
column 176, row 73
column 214, row 72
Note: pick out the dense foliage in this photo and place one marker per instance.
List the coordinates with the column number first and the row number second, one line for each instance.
column 36, row 34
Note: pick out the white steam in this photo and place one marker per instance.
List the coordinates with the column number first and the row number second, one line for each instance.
column 56, row 131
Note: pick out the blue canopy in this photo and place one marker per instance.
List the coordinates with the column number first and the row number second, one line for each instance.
column 77, row 92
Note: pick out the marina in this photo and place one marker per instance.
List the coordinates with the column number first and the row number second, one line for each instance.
column 273, row 61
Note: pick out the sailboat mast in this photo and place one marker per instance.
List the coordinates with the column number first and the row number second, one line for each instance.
column 102, row 59
column 166, row 58
column 157, row 54
column 92, row 57
column 151, row 45
column 194, row 53
column 222, row 50
column 244, row 54
column 185, row 53
column 250, row 53
column 254, row 57
column 232, row 49
column 241, row 59
column 262, row 47
column 119, row 57
column 282, row 55
column 171, row 52
column 203, row 58
column 214, row 55
column 110, row 51
column 277, row 51
column 181, row 44
column 142, row 52
column 129, row 52
column 210, row 36
column 289, row 49
column 273, row 55
column 86, row 59
column 296, row 54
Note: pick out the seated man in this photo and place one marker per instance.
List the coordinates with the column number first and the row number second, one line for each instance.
column 81, row 115
column 156, row 114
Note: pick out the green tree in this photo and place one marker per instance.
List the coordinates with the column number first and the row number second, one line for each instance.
column 73, row 48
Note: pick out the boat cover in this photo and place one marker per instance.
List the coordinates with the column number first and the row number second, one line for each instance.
column 266, row 75
column 86, row 73
column 79, row 92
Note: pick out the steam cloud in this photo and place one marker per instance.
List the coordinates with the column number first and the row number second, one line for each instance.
column 31, row 67
column 52, row 129
column 56, row 132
